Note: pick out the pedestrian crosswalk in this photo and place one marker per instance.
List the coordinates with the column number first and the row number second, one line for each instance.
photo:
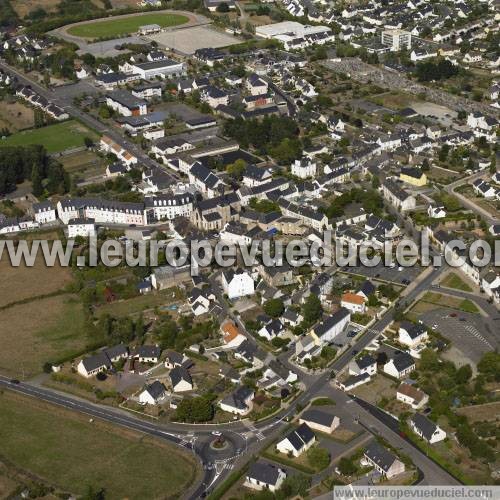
column 471, row 329
column 258, row 434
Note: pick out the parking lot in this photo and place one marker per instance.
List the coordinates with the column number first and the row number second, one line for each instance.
column 467, row 332
column 396, row 274
column 187, row 40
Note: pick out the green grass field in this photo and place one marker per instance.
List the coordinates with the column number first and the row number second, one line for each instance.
column 68, row 451
column 55, row 138
column 126, row 25
column 455, row 281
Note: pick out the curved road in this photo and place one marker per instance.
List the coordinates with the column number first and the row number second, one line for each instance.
column 82, row 42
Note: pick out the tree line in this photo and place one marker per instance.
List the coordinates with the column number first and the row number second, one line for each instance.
column 20, row 163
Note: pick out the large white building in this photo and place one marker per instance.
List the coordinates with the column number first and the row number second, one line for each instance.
column 396, row 39
column 44, row 212
column 102, row 211
column 295, row 35
column 237, row 283
column 164, row 68
column 126, row 104
column 169, row 206
column 81, row 227
column 304, row 168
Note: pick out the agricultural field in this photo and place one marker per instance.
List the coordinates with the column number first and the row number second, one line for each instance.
column 125, row 25
column 24, row 7
column 21, row 283
column 479, row 413
column 83, row 164
column 15, row 116
column 39, row 331
column 43, row 439
column 140, row 303
column 55, row 138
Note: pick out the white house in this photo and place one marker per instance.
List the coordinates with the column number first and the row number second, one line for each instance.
column 153, row 394
column 231, row 334
column 412, row 396
column 272, row 329
column 101, row 361
column 411, row 334
column 263, row 475
column 44, row 212
column 147, row 354
column 81, row 227
column 256, row 85
column 181, row 379
column 304, row 168
column 426, row 429
column 298, row 441
column 364, row 364
column 320, row 420
column 237, row 283
column 436, row 211
column 400, row 365
column 490, row 283
column 483, row 188
column 355, row 303
column 326, row 330
column 239, row 401
column 385, row 462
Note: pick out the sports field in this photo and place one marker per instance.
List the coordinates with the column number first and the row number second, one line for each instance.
column 70, row 452
column 55, row 138
column 125, row 25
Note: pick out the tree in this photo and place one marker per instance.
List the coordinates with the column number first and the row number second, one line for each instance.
column 36, row 181
column 197, row 409
column 237, row 168
column 463, row 375
column 429, row 360
column 347, row 466
column 296, row 485
column 375, row 182
column 312, row 309
column 318, row 458
column 493, row 164
column 274, row 307
column 443, row 152
column 489, row 365
column 222, row 7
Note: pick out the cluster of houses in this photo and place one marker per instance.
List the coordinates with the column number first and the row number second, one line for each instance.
column 140, row 360
column 26, row 48
column 487, row 278
column 38, row 101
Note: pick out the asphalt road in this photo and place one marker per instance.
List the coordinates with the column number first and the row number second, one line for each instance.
column 466, row 202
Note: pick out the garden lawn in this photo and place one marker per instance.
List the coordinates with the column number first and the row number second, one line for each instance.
column 125, row 25
column 55, row 138
column 455, row 281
